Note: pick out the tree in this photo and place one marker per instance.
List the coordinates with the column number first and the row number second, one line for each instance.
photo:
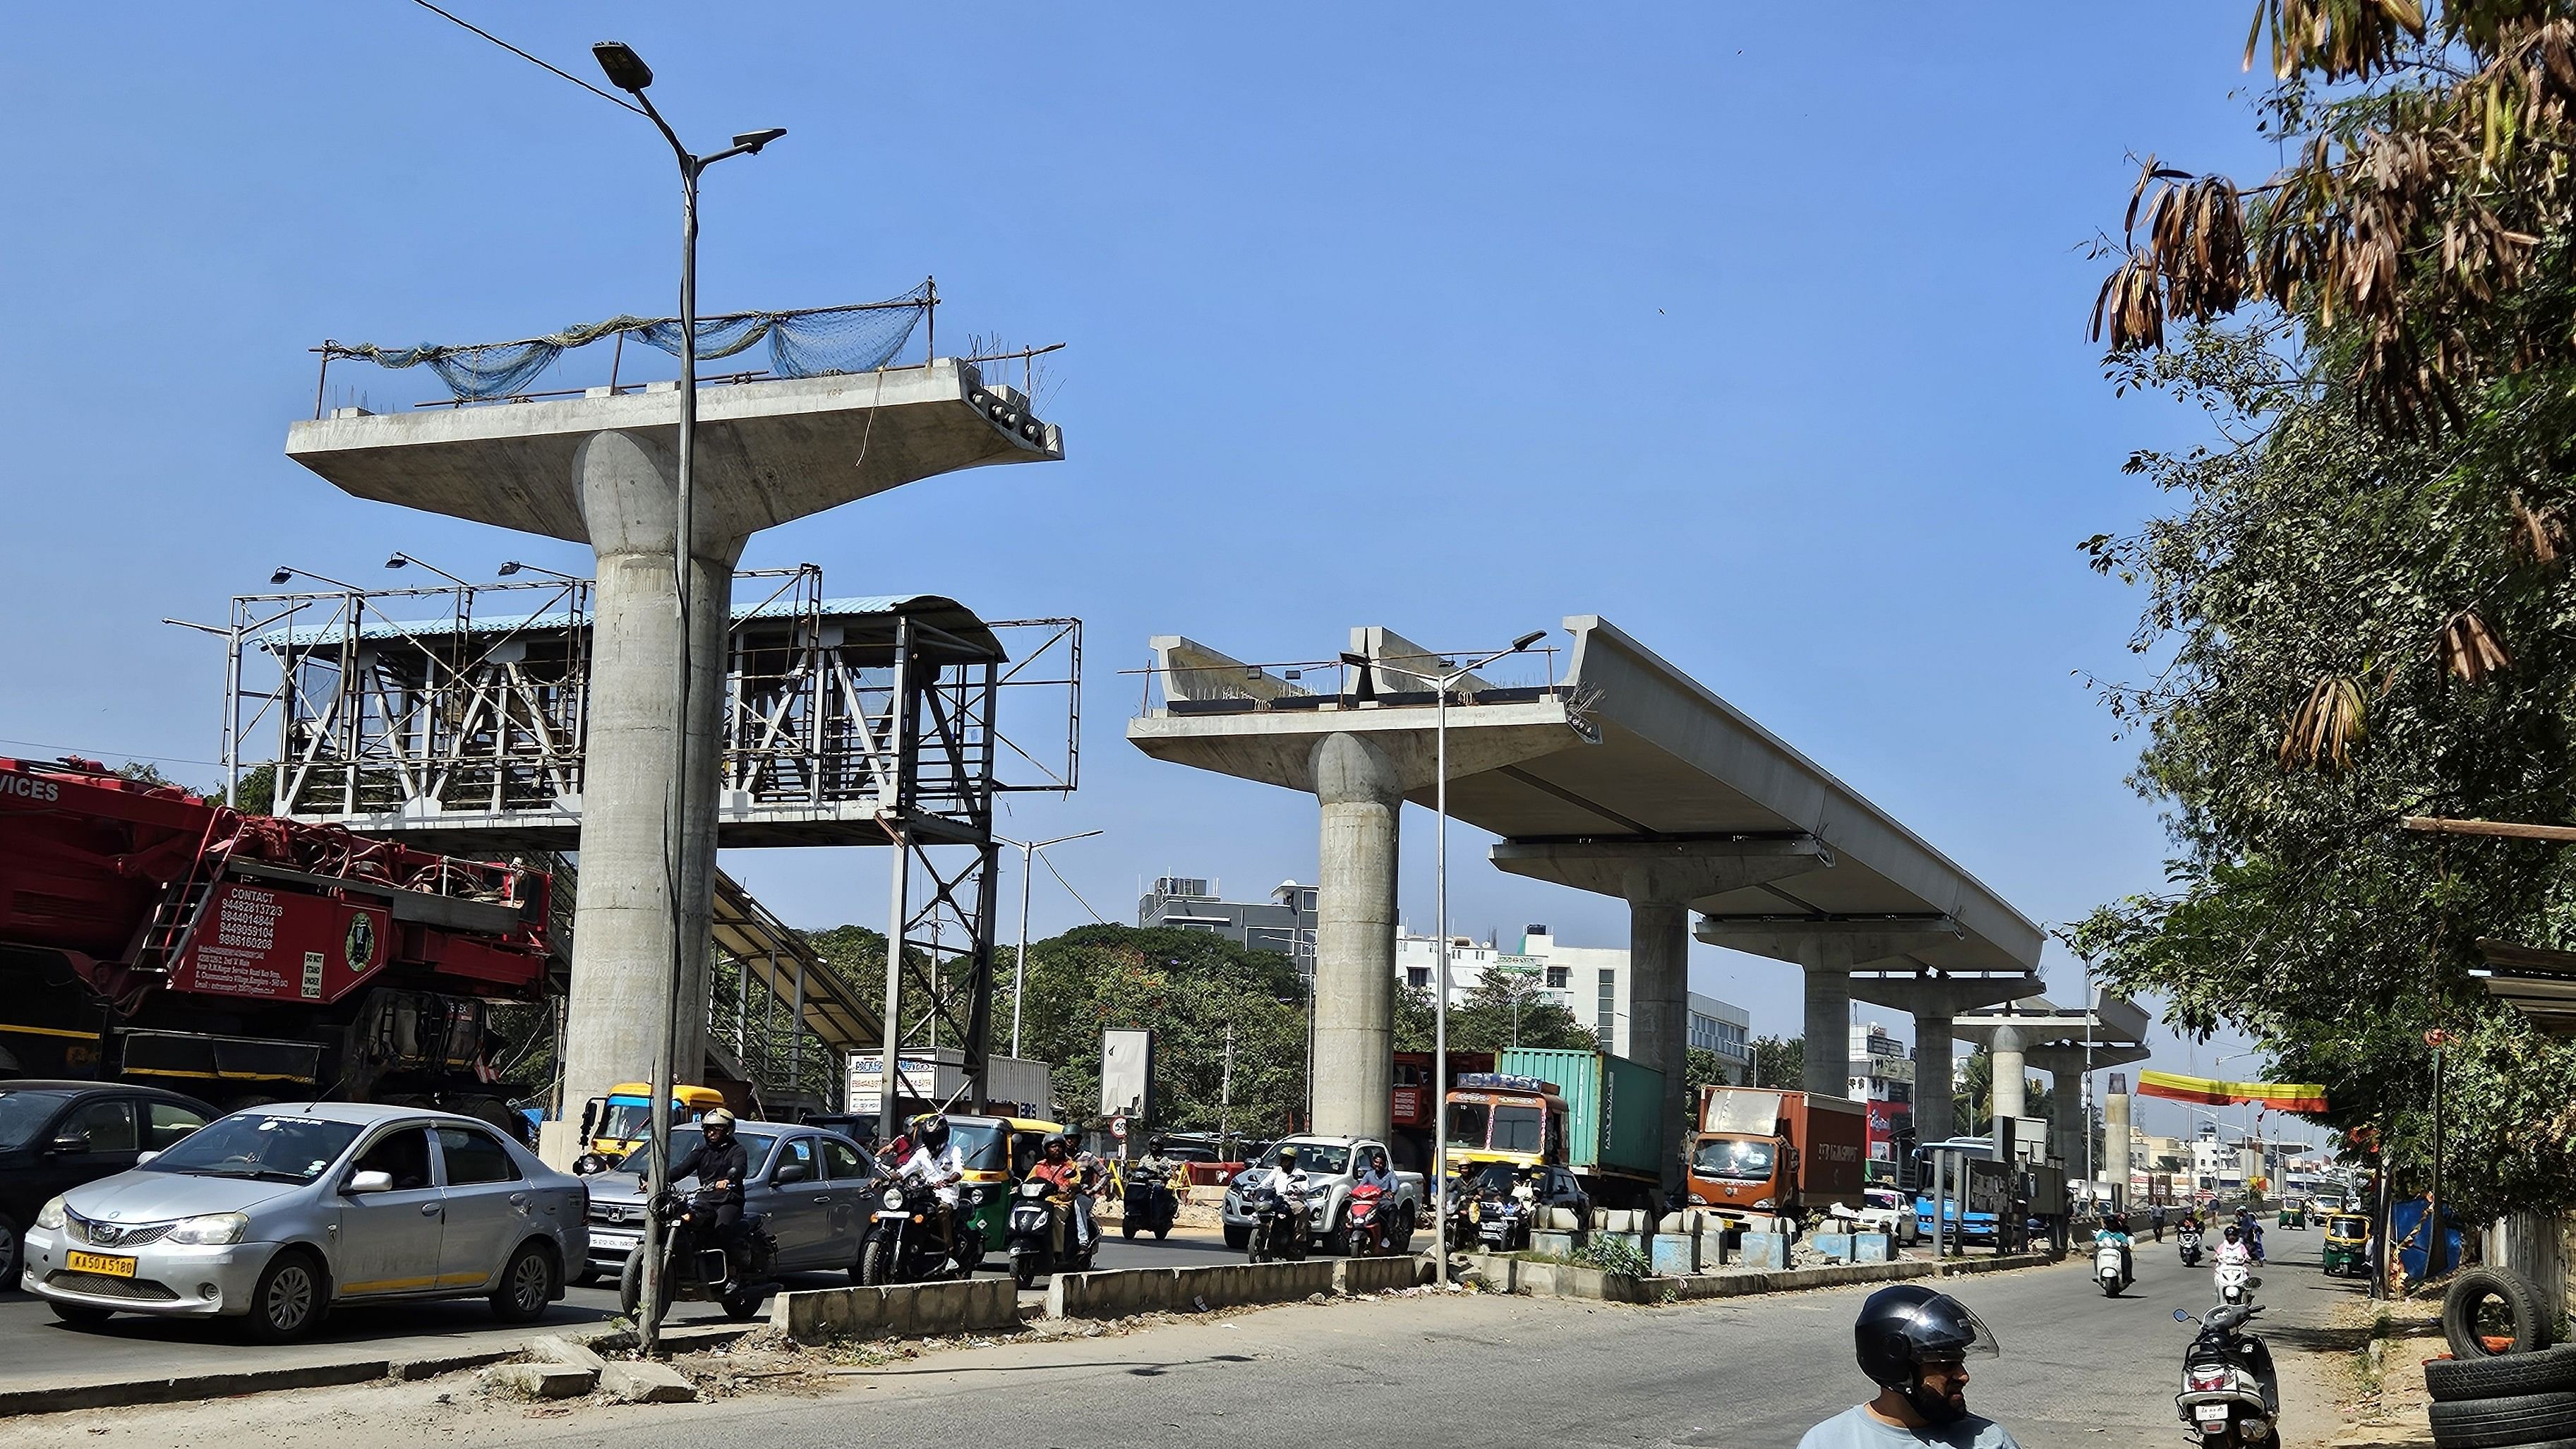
column 1779, row 1061
column 2349, row 628
column 2423, row 215
column 1496, row 1013
column 1705, row 1068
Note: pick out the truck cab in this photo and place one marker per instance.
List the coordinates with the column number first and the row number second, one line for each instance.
column 1769, row 1152
column 1500, row 1117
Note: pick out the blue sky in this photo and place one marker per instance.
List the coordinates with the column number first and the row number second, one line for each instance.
column 1759, row 333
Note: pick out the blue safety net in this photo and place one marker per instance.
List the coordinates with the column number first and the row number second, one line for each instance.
column 807, row 342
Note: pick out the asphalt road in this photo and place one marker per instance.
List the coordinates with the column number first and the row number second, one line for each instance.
column 36, row 1349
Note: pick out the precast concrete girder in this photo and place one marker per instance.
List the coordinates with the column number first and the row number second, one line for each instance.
column 1659, row 879
column 1830, row 951
column 602, row 469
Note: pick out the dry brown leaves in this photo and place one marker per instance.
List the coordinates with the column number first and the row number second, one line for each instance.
column 2326, row 726
column 2469, row 649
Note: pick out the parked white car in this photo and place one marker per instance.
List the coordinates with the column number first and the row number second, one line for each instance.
column 276, row 1213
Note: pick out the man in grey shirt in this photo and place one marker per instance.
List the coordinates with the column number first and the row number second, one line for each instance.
column 1914, row 1344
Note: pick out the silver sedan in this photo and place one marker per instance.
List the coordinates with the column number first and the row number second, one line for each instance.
column 275, row 1213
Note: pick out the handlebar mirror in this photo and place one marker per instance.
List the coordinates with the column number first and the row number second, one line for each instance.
column 2181, row 1316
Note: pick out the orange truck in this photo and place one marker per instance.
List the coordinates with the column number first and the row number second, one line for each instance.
column 1764, row 1152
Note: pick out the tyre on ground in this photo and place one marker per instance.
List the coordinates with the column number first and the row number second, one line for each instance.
column 1236, row 1238
column 79, row 1315
column 2547, row 1371
column 290, row 1298
column 11, row 1241
column 876, row 1261
column 2502, row 1423
column 527, row 1284
column 2483, row 1305
column 630, row 1288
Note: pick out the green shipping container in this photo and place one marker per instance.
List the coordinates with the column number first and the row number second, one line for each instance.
column 1612, row 1106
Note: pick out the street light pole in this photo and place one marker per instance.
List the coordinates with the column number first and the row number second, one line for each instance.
column 1440, row 910
column 1020, row 973
column 628, row 72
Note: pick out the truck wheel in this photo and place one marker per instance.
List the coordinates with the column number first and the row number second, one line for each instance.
column 1237, row 1239
column 2469, row 1322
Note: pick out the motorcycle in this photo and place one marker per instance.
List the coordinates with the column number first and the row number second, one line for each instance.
column 1278, row 1227
column 1370, row 1222
column 2110, row 1266
column 1036, row 1219
column 1149, row 1205
column 908, row 1237
column 2236, row 1284
column 737, row 1274
column 2189, row 1239
column 2229, row 1397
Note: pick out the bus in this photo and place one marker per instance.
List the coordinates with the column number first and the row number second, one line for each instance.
column 1974, row 1227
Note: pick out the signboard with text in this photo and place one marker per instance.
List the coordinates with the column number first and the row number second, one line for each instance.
column 280, row 945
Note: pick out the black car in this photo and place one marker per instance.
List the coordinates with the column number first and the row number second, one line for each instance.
column 54, row 1136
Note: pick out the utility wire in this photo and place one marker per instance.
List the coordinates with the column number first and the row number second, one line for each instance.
column 1068, row 886
column 532, row 60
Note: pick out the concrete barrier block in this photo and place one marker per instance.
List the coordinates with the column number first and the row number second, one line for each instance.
column 1552, row 1244
column 1674, row 1255
column 1353, row 1277
column 545, row 1380
column 1837, row 1247
column 1712, row 1248
column 1636, row 1241
column 646, row 1382
column 552, row 1349
column 1765, row 1251
column 1564, row 1220
column 1873, row 1248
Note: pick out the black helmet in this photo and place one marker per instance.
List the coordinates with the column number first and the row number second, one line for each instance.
column 934, row 1131
column 2232, row 1232
column 1902, row 1325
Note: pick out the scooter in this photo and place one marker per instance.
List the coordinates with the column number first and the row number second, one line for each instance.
column 1036, row 1219
column 2236, row 1284
column 2230, row 1397
column 1149, row 1206
column 2189, row 1238
column 1370, row 1222
column 1278, row 1227
column 737, row 1275
column 2109, row 1266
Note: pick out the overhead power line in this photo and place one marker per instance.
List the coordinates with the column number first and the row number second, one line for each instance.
column 614, row 100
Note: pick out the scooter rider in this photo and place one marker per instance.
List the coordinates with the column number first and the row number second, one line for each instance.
column 719, row 1164
column 1382, row 1177
column 2114, row 1230
column 1057, row 1169
column 2233, row 1249
column 1914, row 1344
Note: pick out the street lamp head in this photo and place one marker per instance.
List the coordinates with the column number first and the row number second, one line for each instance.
column 282, row 575
column 752, row 141
column 509, row 568
column 625, row 69
column 397, row 561
column 1526, row 640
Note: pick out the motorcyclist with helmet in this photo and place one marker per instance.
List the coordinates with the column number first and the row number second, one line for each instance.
column 1057, row 1168
column 2115, row 1230
column 719, row 1164
column 937, row 1162
column 2234, row 1250
column 1914, row 1344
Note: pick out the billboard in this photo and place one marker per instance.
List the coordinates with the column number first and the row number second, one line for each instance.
column 1127, row 1073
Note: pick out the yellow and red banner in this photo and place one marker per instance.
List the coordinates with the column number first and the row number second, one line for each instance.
column 2270, row 1096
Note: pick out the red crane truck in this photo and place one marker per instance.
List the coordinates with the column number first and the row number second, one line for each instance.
column 147, row 935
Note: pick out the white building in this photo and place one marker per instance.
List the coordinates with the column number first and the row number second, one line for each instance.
column 1589, row 981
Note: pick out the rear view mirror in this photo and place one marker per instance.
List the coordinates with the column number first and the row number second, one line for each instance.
column 370, row 1182
column 68, row 1142
column 141, row 1158
column 792, row 1172
column 2181, row 1316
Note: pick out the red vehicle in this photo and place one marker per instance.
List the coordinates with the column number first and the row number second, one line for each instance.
column 150, row 936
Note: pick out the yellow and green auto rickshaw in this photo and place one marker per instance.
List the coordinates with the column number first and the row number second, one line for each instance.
column 2345, row 1235
column 2294, row 1214
column 998, row 1151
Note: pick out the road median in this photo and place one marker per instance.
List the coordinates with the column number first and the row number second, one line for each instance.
column 1545, row 1278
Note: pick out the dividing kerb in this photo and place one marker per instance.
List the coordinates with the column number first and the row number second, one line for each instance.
column 902, row 1310
column 602, row 470
column 1124, row 1292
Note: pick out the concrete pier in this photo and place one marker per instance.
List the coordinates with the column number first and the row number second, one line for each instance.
column 1830, row 951
column 1361, row 791
column 2010, row 1087
column 2035, row 1034
column 601, row 469
column 2117, row 1141
column 1935, row 1003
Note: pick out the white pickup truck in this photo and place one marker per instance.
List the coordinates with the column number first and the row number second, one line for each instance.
column 1332, row 1166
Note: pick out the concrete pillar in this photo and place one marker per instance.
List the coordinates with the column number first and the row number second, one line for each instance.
column 2066, row 1120
column 1828, row 1032
column 622, row 971
column 711, row 635
column 1659, row 1013
column 1934, row 1056
column 2009, row 1073
column 2116, row 1140
column 1362, row 799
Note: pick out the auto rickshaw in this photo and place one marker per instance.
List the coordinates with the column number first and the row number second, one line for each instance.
column 998, row 1151
column 2294, row 1215
column 2345, row 1234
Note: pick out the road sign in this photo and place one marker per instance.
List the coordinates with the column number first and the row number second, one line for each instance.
column 1118, row 1128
